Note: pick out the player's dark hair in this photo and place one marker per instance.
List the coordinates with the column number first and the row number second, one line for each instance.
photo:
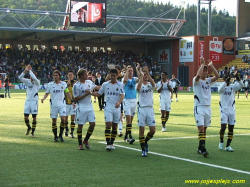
column 165, row 72
column 71, row 71
column 113, row 71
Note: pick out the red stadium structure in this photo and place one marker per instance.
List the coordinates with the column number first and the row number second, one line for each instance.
column 175, row 55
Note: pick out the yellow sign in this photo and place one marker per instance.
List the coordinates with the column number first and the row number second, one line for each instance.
column 244, row 52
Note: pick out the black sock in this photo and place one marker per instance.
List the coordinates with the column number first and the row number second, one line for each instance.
column 113, row 135
column 108, row 135
column 89, row 133
column 54, row 129
column 27, row 122
column 222, row 136
column 142, row 142
column 72, row 126
column 33, row 127
column 229, row 138
column 148, row 137
column 79, row 136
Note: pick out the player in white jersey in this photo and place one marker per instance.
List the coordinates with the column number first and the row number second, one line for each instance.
column 176, row 84
column 119, row 78
column 31, row 103
column 145, row 109
column 84, row 111
column 246, row 85
column 165, row 88
column 227, row 108
column 56, row 90
column 114, row 94
column 202, row 102
column 129, row 103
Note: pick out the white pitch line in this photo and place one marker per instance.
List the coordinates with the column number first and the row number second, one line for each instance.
column 176, row 138
column 187, row 160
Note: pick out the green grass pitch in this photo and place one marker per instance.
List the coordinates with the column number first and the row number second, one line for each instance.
column 26, row 161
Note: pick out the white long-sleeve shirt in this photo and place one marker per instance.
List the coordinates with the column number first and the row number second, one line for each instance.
column 32, row 87
column 227, row 95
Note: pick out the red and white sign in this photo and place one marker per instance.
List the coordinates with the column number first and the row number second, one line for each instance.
column 215, row 51
column 94, row 12
column 163, row 56
column 201, row 51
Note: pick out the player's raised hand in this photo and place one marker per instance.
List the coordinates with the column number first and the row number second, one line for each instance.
column 125, row 68
column 145, row 68
column 210, row 63
column 202, row 60
column 138, row 66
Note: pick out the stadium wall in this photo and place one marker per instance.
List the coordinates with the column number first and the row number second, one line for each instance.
column 193, row 66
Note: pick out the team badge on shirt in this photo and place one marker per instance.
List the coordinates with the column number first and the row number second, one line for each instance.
column 207, row 83
column 117, row 89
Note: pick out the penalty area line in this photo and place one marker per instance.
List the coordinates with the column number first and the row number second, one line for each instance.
column 185, row 159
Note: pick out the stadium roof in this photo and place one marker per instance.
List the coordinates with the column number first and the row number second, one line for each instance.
column 22, row 30
column 66, row 36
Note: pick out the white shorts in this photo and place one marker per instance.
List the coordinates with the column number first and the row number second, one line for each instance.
column 228, row 117
column 84, row 115
column 54, row 111
column 129, row 107
column 146, row 116
column 112, row 114
column 202, row 115
column 165, row 105
column 31, row 107
column 70, row 110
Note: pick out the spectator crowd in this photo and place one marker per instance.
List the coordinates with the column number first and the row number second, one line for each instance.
column 44, row 62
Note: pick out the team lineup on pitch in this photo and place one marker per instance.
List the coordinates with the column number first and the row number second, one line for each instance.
column 121, row 99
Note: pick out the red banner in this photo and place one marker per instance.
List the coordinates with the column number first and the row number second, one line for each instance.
column 201, row 50
column 94, row 12
column 215, row 51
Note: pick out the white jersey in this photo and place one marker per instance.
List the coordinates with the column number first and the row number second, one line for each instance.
column 32, row 87
column 246, row 82
column 227, row 95
column 112, row 93
column 145, row 95
column 79, row 89
column 165, row 94
column 202, row 92
column 57, row 97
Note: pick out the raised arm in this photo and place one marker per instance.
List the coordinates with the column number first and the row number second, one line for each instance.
column 145, row 68
column 32, row 75
column 21, row 77
column 125, row 78
column 200, row 70
column 139, row 83
column 216, row 74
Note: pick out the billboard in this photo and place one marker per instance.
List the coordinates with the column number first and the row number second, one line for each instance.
column 187, row 50
column 88, row 13
column 215, row 51
column 163, row 56
column 228, row 46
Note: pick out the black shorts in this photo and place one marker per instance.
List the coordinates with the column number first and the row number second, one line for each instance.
column 175, row 90
column 244, row 89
